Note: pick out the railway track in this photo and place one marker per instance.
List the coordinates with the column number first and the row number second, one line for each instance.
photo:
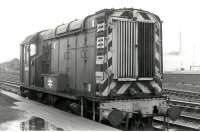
column 10, row 86
column 184, row 123
column 187, row 106
column 182, row 94
column 190, row 117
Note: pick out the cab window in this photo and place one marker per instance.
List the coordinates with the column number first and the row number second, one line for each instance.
column 32, row 49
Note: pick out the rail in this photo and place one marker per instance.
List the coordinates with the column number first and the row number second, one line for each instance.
column 185, row 123
column 194, row 105
column 10, row 86
column 181, row 92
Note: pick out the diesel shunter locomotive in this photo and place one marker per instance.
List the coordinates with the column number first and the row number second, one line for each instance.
column 107, row 67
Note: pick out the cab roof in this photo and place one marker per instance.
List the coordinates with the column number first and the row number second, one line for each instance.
column 79, row 25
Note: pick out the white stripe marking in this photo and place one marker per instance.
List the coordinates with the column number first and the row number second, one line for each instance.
column 157, row 56
column 101, row 77
column 151, row 17
column 139, row 16
column 157, row 72
column 109, row 55
column 101, row 81
column 156, row 38
column 100, row 59
column 108, row 89
column 143, row 88
column 155, row 85
column 109, row 38
column 109, row 69
column 156, row 69
column 124, row 88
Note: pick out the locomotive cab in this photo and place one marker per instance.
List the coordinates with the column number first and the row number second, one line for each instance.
column 28, row 51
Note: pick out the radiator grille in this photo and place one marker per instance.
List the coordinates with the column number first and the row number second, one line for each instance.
column 134, row 49
column 146, row 49
column 126, row 49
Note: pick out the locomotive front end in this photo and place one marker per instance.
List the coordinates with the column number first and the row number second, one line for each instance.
column 129, row 61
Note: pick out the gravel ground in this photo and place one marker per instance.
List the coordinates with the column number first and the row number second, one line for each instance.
column 7, row 113
column 18, row 113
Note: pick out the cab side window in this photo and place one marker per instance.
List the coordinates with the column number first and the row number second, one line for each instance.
column 32, row 49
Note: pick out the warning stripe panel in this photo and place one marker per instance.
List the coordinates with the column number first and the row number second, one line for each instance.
column 119, row 88
column 104, row 59
column 109, row 88
column 124, row 87
column 143, row 88
column 158, row 57
column 156, row 86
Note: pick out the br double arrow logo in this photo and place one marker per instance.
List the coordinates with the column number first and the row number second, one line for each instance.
column 50, row 82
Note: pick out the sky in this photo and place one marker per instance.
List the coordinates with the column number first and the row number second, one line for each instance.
column 20, row 18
